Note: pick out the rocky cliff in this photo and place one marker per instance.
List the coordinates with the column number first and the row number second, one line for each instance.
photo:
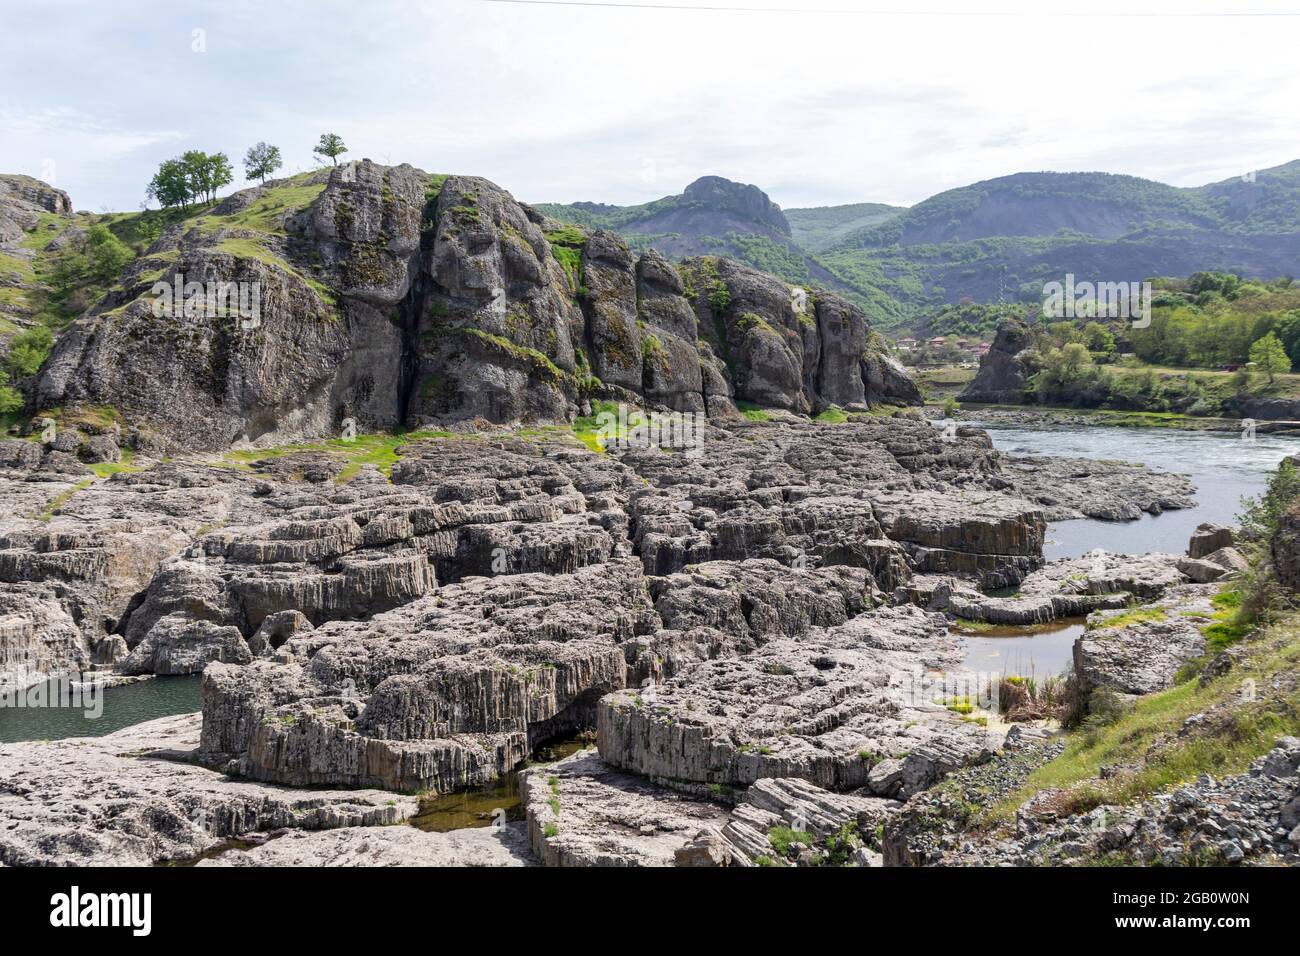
column 397, row 298
column 1003, row 376
column 33, row 218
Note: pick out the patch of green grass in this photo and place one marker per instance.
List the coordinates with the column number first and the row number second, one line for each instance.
column 551, row 830
column 753, row 412
column 587, row 427
column 567, row 245
column 1227, row 600
column 268, row 214
column 963, row 626
column 106, row 468
column 782, row 836
column 1229, row 623
column 378, row 448
column 244, row 248
column 832, row 416
column 62, row 499
column 1133, row 616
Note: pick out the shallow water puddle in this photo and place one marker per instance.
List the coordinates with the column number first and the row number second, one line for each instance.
column 481, row 806
column 1037, row 650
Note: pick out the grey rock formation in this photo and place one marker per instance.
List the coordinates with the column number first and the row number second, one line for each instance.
column 393, row 297
column 584, row 813
column 1099, row 580
column 721, row 618
column 1208, row 538
column 176, row 645
column 1142, row 652
column 811, row 812
column 505, row 846
column 1284, row 549
column 1003, row 377
column 1088, row 488
column 131, row 799
column 824, row 707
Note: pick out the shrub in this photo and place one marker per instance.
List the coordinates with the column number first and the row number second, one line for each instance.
column 782, row 836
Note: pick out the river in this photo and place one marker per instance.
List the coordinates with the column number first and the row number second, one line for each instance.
column 1223, row 467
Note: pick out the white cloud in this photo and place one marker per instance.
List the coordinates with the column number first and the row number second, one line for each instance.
column 562, row 103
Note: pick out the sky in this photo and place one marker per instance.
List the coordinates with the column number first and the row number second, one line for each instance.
column 833, row 101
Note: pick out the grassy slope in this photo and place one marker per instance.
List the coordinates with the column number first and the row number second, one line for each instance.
column 1252, row 705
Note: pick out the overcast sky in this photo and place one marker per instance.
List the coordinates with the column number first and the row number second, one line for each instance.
column 562, row 102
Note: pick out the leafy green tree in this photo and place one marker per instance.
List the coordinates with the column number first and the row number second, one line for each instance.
column 331, row 145
column 171, row 184
column 1224, row 283
column 197, row 173
column 1098, row 338
column 261, row 161
column 107, row 255
column 1063, row 333
column 220, row 174
column 1288, row 331
column 1269, row 356
column 1259, row 516
column 1062, row 369
column 206, row 173
column 28, row 351
column 10, row 398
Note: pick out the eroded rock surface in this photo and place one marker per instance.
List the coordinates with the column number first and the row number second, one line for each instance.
column 582, row 812
column 826, row 707
column 1141, row 651
column 765, row 609
column 506, row 845
column 131, row 798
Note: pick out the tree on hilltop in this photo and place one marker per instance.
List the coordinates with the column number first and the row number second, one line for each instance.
column 331, row 145
column 261, row 161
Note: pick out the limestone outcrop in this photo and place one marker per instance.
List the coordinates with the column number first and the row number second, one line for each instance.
column 134, row 798
column 1003, row 377
column 386, row 296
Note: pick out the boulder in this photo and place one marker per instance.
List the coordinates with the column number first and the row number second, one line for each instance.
column 1208, row 538
column 1200, row 571
column 1141, row 651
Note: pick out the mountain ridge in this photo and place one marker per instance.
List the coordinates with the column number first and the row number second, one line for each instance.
column 999, row 239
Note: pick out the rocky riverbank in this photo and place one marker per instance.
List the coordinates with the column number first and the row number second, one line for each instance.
column 773, row 613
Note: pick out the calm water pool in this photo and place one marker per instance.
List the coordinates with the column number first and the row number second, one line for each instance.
column 121, row 707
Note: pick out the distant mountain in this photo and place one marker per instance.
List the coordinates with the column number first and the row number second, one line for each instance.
column 1000, row 240
column 823, row 227
column 712, row 216
column 993, row 241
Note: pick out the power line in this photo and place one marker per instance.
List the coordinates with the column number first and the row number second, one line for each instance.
column 1079, row 14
